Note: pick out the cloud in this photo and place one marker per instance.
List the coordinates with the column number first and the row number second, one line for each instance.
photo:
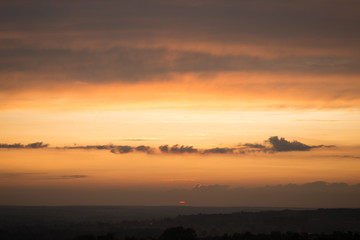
column 164, row 148
column 134, row 139
column 121, row 149
column 347, row 156
column 128, row 149
column 282, row 145
column 130, row 65
column 254, row 145
column 15, row 145
column 214, row 187
column 113, row 148
column 19, row 145
column 65, row 40
column 99, row 147
column 143, row 148
column 265, row 22
column 273, row 144
column 219, row 150
column 36, row 145
column 56, row 47
column 38, row 175
column 19, row 174
column 183, row 149
column 76, row 176
column 178, row 149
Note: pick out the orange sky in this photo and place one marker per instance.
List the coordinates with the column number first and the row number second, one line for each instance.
column 200, row 73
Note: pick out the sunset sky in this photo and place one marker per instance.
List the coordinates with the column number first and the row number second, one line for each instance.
column 209, row 74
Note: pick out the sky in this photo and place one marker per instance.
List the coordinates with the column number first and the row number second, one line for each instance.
column 92, row 80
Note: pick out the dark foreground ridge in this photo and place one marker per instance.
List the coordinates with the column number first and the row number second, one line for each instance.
column 100, row 223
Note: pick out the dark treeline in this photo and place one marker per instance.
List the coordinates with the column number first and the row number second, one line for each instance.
column 181, row 233
column 97, row 224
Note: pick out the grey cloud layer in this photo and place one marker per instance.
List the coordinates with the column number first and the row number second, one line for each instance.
column 223, row 20
column 40, row 37
column 133, row 64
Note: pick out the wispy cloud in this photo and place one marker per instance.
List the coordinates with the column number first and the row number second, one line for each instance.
column 347, row 156
column 137, row 139
column 39, row 175
column 76, row 176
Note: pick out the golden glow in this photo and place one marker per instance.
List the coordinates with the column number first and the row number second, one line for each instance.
column 192, row 127
column 147, row 77
column 97, row 169
column 231, row 91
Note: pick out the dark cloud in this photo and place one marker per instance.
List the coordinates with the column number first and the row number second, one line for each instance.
column 178, row 149
column 15, row 145
column 114, row 148
column 99, row 147
column 276, row 145
column 219, row 150
column 19, row 145
column 323, row 146
column 143, row 148
column 254, row 145
column 128, row 149
column 37, row 145
column 121, row 149
column 227, row 20
column 128, row 64
column 282, row 145
column 273, row 144
column 97, row 41
column 183, row 149
column 190, row 149
column 164, row 148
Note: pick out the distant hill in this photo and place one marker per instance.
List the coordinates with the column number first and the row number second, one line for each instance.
column 313, row 221
column 149, row 222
